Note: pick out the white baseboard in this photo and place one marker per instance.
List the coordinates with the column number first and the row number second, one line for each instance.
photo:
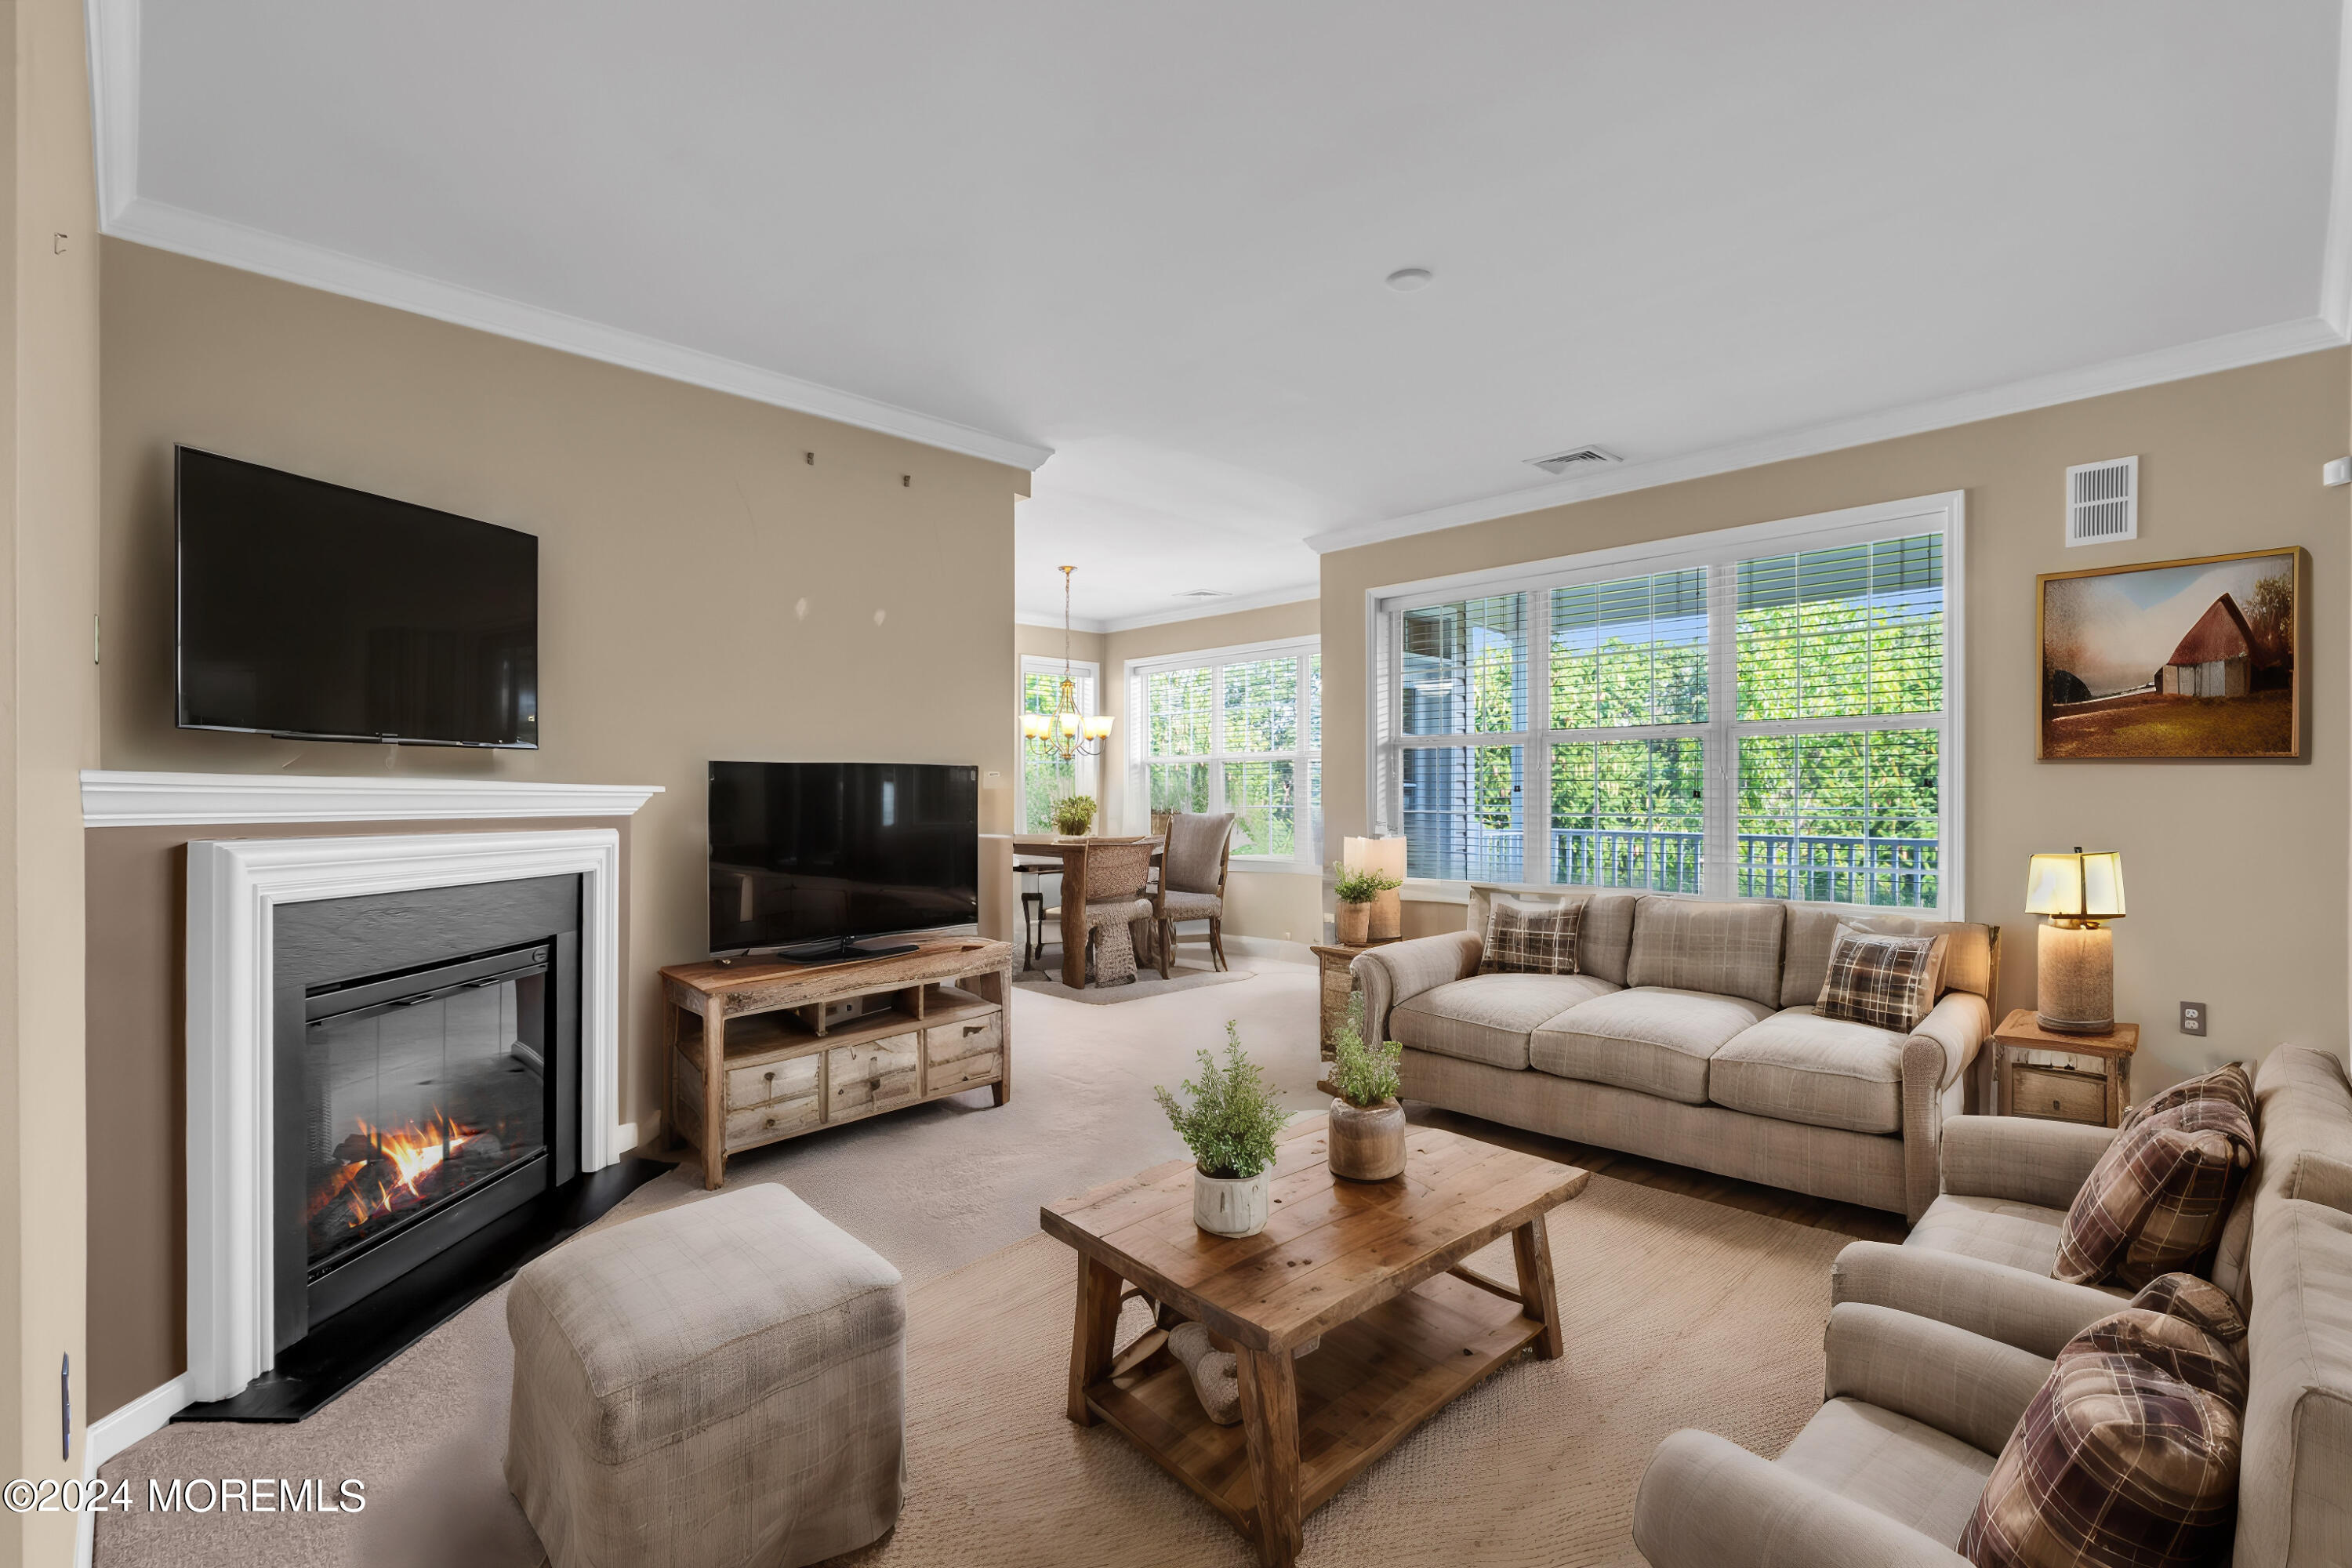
column 1272, row 947
column 624, row 1138
column 115, row 1431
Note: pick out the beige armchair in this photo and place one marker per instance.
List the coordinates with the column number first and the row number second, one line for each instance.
column 1888, row 1472
column 1193, row 871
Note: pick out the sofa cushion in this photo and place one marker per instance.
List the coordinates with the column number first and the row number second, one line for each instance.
column 1730, row 949
column 1602, row 939
column 2157, row 1197
column 1812, row 930
column 2128, row 1457
column 1523, row 937
column 1797, row 1065
column 2293, row 1505
column 1652, row 1039
column 1487, row 1017
column 1997, row 1230
column 1905, row 1470
column 1881, row 980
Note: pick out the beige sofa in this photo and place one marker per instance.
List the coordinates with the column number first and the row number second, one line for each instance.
column 1936, row 1347
column 1689, row 1036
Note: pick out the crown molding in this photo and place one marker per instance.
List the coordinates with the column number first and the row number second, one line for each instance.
column 2254, row 346
column 1265, row 599
column 148, row 800
column 1053, row 622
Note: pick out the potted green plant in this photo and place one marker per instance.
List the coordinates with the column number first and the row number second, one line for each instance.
column 1231, row 1128
column 1357, row 889
column 1367, row 1141
column 1073, row 814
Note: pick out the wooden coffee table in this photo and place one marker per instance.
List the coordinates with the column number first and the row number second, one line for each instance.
column 1372, row 1270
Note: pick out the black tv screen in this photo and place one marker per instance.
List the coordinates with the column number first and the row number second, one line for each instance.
column 823, row 852
column 321, row 613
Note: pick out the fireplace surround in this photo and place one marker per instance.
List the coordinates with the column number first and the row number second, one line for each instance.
column 387, row 1003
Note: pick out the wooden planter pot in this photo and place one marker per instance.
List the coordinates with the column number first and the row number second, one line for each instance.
column 1367, row 1143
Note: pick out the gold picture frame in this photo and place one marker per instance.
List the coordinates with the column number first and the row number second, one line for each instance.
column 2199, row 657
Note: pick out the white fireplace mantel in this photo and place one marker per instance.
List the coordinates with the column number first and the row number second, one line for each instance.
column 111, row 799
column 235, row 886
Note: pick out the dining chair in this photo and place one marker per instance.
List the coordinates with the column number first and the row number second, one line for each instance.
column 1192, row 873
column 1033, row 875
column 1114, row 906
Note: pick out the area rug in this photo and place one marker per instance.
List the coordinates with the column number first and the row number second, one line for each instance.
column 1677, row 1314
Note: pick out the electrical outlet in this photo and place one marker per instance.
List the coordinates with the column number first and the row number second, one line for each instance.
column 2193, row 1017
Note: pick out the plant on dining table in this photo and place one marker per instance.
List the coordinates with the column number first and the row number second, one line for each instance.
column 1075, row 814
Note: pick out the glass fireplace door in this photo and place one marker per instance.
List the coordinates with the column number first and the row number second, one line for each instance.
column 414, row 1101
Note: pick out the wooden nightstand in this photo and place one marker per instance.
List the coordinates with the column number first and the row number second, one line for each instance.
column 1337, row 985
column 2094, row 1096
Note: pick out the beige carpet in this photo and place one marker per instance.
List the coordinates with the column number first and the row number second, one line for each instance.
column 1678, row 1312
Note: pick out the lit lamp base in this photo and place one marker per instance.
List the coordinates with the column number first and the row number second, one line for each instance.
column 2076, row 990
column 1387, row 917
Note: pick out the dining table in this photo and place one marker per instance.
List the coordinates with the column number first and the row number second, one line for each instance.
column 1072, row 854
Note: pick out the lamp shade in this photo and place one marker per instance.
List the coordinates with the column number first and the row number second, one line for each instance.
column 2076, row 886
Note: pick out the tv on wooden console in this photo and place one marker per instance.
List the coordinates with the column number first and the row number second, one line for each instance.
column 317, row 613
column 810, row 861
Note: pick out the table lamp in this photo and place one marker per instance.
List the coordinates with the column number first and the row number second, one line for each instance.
column 2075, row 982
column 1385, row 855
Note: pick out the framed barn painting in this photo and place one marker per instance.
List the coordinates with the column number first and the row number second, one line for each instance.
column 2174, row 659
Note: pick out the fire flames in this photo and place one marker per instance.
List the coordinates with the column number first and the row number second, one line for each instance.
column 411, row 1153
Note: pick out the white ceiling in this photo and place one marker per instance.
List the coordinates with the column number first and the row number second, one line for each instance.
column 1151, row 238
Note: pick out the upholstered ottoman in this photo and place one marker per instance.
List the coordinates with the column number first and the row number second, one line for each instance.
column 718, row 1386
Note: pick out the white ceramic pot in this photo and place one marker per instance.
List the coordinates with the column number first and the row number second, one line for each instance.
column 1232, row 1205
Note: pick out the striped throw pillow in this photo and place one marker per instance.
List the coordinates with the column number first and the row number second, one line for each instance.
column 1524, row 938
column 2126, row 1458
column 2156, row 1200
column 1888, row 982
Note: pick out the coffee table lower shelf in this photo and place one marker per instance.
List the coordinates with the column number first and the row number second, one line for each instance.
column 1373, row 1380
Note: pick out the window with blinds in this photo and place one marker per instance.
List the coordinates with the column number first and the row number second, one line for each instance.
column 1759, row 714
column 1237, row 729
column 1047, row 779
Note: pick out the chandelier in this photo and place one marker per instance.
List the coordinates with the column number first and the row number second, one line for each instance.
column 1065, row 733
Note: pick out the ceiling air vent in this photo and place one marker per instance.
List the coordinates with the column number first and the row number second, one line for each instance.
column 1576, row 461
column 2103, row 502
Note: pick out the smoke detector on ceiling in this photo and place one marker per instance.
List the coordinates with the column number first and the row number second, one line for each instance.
column 1576, row 460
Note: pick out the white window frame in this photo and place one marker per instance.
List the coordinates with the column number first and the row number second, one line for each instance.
column 1720, row 550
column 1303, row 757
column 1086, row 769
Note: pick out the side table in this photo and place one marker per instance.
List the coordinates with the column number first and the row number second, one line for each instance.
column 2092, row 1096
column 1338, row 984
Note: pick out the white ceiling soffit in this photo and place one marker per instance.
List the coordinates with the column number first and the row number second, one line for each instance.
column 1152, row 243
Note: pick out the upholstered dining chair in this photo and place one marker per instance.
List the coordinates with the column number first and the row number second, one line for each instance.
column 1115, row 906
column 1192, row 882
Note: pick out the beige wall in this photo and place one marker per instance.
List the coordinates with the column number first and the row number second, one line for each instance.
column 48, row 572
column 678, row 529
column 2234, row 899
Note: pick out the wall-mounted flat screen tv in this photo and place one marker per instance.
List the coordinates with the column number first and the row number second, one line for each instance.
column 319, row 613
column 807, row 859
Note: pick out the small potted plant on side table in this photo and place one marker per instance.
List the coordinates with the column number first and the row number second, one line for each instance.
column 1367, row 1141
column 1073, row 814
column 1231, row 1128
column 1356, row 891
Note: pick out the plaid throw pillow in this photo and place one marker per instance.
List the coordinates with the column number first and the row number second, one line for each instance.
column 2156, row 1200
column 1530, row 939
column 2231, row 1082
column 2127, row 1455
column 1888, row 982
column 2196, row 1301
